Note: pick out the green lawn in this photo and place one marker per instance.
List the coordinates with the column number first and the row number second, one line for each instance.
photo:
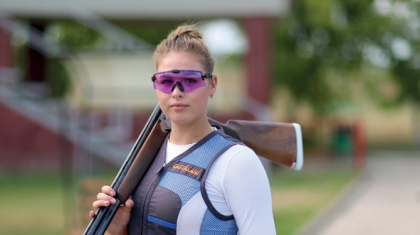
column 31, row 204
column 34, row 203
column 298, row 196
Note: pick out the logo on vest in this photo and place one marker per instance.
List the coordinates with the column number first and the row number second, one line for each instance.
column 187, row 169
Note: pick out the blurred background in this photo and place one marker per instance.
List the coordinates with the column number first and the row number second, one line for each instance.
column 75, row 92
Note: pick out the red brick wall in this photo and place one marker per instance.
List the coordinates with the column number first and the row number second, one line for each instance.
column 6, row 52
column 258, row 59
column 26, row 145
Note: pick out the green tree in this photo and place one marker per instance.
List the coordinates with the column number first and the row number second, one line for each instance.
column 343, row 35
column 323, row 45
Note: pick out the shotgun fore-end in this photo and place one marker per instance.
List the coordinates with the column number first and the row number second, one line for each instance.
column 141, row 163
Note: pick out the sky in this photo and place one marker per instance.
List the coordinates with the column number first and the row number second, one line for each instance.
column 224, row 37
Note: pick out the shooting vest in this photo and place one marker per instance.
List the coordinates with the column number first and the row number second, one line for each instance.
column 176, row 190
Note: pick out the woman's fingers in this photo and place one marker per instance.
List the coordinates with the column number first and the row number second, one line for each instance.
column 99, row 203
column 128, row 205
column 91, row 214
column 104, row 198
column 108, row 190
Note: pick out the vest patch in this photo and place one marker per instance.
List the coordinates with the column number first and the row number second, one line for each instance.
column 187, row 169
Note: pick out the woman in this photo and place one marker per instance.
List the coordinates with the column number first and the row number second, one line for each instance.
column 202, row 181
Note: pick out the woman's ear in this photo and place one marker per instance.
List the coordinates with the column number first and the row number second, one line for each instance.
column 213, row 85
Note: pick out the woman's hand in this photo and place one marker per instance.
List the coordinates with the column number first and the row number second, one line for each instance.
column 120, row 221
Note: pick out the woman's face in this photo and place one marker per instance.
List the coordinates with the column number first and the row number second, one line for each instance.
column 185, row 107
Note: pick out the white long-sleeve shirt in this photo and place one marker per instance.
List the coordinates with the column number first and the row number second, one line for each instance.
column 237, row 185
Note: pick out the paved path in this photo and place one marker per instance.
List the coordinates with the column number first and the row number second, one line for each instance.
column 385, row 200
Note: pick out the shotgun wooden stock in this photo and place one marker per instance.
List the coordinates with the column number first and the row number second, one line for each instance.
column 279, row 142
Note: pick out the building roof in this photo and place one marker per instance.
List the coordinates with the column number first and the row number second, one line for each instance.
column 145, row 9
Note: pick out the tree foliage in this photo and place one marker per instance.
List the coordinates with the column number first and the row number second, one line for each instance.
column 342, row 37
column 74, row 36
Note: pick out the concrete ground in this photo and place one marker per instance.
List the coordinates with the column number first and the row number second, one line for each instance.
column 384, row 200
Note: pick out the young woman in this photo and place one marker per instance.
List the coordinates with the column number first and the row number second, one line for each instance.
column 202, row 181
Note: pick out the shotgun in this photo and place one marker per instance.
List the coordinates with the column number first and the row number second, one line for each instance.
column 278, row 142
column 145, row 148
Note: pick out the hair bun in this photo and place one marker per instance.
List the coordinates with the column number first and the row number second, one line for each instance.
column 190, row 31
column 186, row 38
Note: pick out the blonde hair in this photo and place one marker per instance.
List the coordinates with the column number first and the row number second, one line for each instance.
column 185, row 38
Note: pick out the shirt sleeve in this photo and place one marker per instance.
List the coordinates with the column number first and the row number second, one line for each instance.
column 248, row 194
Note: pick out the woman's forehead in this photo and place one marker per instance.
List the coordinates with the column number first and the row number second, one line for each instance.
column 179, row 60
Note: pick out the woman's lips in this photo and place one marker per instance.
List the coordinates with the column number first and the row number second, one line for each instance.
column 179, row 106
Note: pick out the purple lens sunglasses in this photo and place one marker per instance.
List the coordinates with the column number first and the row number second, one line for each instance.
column 186, row 80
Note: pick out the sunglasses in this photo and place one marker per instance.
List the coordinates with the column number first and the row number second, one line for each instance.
column 186, row 80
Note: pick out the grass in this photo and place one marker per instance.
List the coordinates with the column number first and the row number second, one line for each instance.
column 31, row 204
column 34, row 203
column 298, row 196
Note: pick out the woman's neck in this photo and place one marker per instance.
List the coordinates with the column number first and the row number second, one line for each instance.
column 189, row 133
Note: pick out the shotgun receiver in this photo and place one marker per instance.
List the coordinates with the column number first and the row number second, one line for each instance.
column 278, row 142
